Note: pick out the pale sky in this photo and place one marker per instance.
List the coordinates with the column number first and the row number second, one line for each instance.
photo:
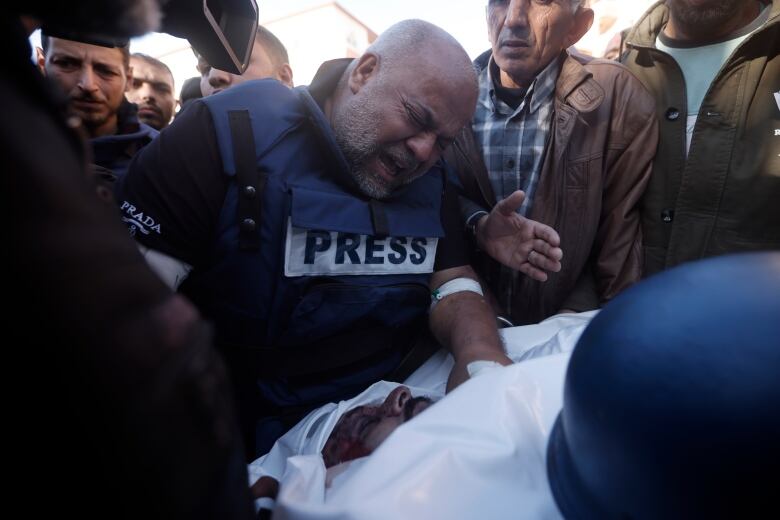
column 464, row 19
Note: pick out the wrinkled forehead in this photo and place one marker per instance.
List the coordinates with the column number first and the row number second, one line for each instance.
column 143, row 68
column 86, row 51
column 450, row 98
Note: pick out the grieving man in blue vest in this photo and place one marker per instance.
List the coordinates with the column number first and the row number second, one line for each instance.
column 310, row 225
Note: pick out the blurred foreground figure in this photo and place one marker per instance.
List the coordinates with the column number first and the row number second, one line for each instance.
column 671, row 399
column 126, row 406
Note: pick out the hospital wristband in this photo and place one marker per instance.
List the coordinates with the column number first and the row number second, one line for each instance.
column 455, row 286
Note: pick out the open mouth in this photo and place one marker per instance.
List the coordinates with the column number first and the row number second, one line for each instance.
column 391, row 168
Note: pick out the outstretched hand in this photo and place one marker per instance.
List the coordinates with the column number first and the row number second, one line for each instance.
column 518, row 242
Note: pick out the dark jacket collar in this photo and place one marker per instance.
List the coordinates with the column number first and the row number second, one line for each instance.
column 129, row 128
column 327, row 79
column 314, row 98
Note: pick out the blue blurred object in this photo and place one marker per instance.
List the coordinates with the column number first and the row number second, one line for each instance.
column 672, row 399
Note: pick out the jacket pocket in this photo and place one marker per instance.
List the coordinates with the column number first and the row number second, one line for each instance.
column 331, row 307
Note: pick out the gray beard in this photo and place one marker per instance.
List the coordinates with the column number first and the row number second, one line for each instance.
column 720, row 12
column 356, row 129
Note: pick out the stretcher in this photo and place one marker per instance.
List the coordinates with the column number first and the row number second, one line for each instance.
column 479, row 453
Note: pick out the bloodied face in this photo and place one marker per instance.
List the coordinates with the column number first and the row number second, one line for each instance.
column 361, row 430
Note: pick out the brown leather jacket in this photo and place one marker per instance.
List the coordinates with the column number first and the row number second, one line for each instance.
column 603, row 138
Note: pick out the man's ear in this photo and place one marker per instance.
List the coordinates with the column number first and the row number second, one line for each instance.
column 583, row 20
column 367, row 67
column 285, row 75
column 129, row 78
column 40, row 58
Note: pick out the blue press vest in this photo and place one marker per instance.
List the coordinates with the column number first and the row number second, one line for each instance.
column 247, row 293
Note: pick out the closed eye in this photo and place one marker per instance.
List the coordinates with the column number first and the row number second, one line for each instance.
column 414, row 116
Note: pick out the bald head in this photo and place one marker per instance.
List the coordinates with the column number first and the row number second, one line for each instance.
column 401, row 104
column 424, row 47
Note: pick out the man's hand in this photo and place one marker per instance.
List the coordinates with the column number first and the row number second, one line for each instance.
column 265, row 487
column 517, row 242
column 459, row 372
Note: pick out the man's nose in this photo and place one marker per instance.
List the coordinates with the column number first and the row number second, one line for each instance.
column 516, row 14
column 422, row 145
column 395, row 402
column 219, row 78
column 87, row 79
column 146, row 92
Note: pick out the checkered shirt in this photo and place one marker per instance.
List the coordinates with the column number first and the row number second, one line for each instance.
column 513, row 141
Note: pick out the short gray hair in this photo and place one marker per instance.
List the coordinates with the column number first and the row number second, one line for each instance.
column 401, row 41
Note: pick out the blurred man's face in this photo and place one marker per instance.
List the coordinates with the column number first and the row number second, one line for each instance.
column 214, row 80
column 94, row 78
column 526, row 35
column 152, row 90
column 396, row 125
column 361, row 430
column 705, row 12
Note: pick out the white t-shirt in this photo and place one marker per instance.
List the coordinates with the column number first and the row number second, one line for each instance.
column 700, row 65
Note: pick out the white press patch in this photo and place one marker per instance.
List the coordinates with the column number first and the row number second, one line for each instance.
column 777, row 98
column 310, row 252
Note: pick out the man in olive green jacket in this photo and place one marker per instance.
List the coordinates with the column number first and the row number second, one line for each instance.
column 714, row 70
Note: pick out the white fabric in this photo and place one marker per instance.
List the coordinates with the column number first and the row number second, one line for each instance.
column 455, row 286
column 479, row 453
column 328, row 253
column 171, row 270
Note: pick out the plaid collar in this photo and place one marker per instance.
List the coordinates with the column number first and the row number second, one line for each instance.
column 541, row 90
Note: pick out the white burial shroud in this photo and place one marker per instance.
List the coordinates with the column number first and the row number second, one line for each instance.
column 479, row 453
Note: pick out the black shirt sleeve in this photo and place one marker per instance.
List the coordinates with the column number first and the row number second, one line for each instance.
column 173, row 192
column 453, row 248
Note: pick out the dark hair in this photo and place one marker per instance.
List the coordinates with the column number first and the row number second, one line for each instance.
column 275, row 49
column 190, row 90
column 152, row 61
column 124, row 49
column 270, row 43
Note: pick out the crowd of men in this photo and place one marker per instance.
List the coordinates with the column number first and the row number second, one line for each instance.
column 333, row 235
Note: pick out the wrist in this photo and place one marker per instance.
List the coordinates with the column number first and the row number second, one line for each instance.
column 473, row 225
column 482, row 353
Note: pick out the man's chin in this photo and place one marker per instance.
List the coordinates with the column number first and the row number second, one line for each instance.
column 91, row 119
column 154, row 122
column 372, row 188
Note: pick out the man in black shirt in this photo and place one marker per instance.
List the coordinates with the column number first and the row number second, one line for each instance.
column 351, row 227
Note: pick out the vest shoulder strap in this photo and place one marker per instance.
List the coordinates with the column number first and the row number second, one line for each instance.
column 250, row 179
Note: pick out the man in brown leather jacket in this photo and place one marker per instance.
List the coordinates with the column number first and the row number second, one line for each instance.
column 577, row 137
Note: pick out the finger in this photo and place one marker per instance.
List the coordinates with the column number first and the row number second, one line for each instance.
column 545, row 249
column 511, row 204
column 539, row 261
column 532, row 272
column 547, row 234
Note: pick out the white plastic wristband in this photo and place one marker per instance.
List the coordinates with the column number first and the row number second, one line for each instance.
column 455, row 286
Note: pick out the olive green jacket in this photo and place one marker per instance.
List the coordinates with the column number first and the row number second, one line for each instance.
column 726, row 196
